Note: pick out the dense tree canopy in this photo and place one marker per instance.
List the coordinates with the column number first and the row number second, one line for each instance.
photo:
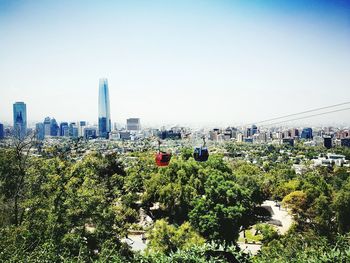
column 63, row 207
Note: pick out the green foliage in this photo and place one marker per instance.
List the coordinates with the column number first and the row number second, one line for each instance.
column 71, row 205
column 56, row 208
column 296, row 201
column 268, row 232
column 175, row 188
column 207, row 253
column 166, row 238
column 186, row 153
column 305, row 248
column 250, row 177
column 342, row 208
column 222, row 210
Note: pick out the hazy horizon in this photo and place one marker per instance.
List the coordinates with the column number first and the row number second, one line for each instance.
column 184, row 62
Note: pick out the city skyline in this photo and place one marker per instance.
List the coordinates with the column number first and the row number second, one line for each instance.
column 296, row 119
column 202, row 63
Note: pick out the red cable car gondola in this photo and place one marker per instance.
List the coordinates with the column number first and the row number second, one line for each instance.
column 162, row 158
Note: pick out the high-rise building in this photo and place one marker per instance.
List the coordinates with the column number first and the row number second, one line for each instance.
column 81, row 126
column 1, row 131
column 64, row 130
column 104, row 117
column 306, row 133
column 89, row 133
column 327, row 142
column 254, row 129
column 73, row 130
column 248, row 133
column 54, row 128
column 40, row 131
column 47, row 126
column 133, row 124
column 20, row 119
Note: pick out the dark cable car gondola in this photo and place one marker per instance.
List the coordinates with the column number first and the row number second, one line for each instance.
column 162, row 158
column 201, row 154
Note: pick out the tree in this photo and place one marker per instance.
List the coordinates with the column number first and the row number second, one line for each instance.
column 14, row 162
column 297, row 202
column 250, row 177
column 268, row 232
column 166, row 238
column 174, row 188
column 222, row 210
column 77, row 206
column 306, row 247
column 342, row 208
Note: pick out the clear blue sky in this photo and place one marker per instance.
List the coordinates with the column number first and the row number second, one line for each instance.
column 200, row 62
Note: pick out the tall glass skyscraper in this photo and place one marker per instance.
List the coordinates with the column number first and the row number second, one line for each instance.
column 104, row 115
column 1, row 131
column 20, row 119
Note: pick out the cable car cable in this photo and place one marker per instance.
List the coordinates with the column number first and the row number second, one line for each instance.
column 299, row 113
column 305, row 117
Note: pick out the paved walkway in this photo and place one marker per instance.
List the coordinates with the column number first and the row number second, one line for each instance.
column 136, row 242
column 279, row 214
column 252, row 248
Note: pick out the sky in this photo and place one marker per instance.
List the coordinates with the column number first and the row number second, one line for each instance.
column 175, row 62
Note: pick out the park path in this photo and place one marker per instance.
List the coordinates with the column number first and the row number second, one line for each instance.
column 280, row 218
column 278, row 213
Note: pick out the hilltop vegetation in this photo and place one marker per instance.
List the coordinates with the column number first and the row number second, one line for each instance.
column 56, row 209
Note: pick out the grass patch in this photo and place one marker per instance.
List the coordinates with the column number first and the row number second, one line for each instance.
column 250, row 236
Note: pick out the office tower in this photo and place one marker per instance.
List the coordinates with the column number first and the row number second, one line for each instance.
column 20, row 119
column 306, row 133
column 64, row 129
column 1, row 131
column 47, row 126
column 327, row 142
column 73, row 130
column 81, row 126
column 104, row 118
column 40, row 131
column 89, row 133
column 254, row 129
column 54, row 128
column 133, row 124
column 248, row 133
column 294, row 133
